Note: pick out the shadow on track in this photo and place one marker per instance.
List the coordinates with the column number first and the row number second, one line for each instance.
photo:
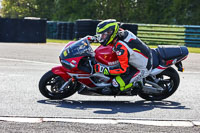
column 114, row 107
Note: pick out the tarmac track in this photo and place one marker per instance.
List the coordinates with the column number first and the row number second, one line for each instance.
column 21, row 66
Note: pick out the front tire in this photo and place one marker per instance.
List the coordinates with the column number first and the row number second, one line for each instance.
column 49, row 86
column 169, row 80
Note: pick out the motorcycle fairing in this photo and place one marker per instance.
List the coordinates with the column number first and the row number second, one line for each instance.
column 66, row 74
column 105, row 55
column 168, row 55
column 165, row 56
column 61, row 71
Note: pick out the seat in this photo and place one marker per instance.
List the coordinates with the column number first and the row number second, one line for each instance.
column 171, row 52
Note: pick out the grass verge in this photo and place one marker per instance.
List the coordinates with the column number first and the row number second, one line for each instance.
column 57, row 41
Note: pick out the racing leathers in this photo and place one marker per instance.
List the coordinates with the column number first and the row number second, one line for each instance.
column 135, row 61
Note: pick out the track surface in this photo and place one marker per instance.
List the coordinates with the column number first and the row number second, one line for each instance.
column 22, row 65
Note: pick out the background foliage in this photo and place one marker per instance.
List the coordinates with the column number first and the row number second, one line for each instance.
column 135, row 11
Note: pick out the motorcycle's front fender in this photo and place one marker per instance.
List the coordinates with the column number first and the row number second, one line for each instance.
column 60, row 70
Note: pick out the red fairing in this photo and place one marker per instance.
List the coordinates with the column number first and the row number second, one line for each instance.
column 75, row 62
column 61, row 71
column 105, row 55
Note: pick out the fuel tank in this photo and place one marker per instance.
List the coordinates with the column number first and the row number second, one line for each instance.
column 105, row 55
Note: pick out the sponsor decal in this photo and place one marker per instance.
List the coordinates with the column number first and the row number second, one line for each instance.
column 114, row 83
column 74, row 62
column 174, row 61
column 170, row 62
column 118, row 53
column 65, row 53
column 113, row 63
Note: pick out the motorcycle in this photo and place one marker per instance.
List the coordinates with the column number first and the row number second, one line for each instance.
column 76, row 74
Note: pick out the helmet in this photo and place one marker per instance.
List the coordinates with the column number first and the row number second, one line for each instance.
column 106, row 31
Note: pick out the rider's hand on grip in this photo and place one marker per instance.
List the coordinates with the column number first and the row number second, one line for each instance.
column 92, row 38
column 101, row 69
column 98, row 68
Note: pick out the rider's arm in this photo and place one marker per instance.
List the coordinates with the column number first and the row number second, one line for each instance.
column 123, row 56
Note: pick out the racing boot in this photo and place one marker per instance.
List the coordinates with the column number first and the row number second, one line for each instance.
column 137, row 87
column 106, row 91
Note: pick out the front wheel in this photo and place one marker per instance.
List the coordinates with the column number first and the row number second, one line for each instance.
column 168, row 80
column 50, row 84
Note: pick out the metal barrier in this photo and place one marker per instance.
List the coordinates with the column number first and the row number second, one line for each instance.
column 188, row 35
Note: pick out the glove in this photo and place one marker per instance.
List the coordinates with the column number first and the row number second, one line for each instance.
column 92, row 38
column 101, row 69
column 98, row 68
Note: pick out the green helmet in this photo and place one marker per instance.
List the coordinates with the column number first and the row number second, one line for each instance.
column 106, row 31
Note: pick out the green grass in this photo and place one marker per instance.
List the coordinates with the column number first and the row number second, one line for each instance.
column 57, row 41
column 191, row 49
column 194, row 50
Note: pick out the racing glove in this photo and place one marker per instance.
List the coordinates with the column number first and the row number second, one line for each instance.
column 101, row 69
column 92, row 38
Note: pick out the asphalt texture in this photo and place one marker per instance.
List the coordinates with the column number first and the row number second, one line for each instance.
column 62, row 127
column 22, row 65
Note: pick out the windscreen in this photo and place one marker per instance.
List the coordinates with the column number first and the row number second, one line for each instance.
column 77, row 49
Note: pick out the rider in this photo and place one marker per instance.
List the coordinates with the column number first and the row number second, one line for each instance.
column 134, row 56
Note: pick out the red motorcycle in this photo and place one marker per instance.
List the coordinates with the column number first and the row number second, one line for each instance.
column 76, row 74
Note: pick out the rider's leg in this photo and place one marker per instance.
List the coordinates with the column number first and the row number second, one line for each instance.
column 122, row 82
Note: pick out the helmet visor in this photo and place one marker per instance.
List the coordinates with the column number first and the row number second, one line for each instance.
column 104, row 36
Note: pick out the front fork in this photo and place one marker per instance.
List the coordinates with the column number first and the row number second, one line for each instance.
column 71, row 80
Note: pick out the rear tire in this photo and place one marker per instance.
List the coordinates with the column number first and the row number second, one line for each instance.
column 170, row 85
column 49, row 86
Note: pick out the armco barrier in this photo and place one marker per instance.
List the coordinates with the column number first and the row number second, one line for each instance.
column 170, row 34
column 22, row 30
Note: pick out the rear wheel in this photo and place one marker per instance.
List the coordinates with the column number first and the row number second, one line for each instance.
column 168, row 80
column 50, row 84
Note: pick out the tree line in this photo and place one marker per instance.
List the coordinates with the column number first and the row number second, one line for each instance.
column 183, row 12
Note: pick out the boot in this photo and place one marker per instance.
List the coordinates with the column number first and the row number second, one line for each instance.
column 106, row 91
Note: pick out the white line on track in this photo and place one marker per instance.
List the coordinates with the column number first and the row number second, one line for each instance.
column 27, row 61
column 190, row 72
column 176, row 123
